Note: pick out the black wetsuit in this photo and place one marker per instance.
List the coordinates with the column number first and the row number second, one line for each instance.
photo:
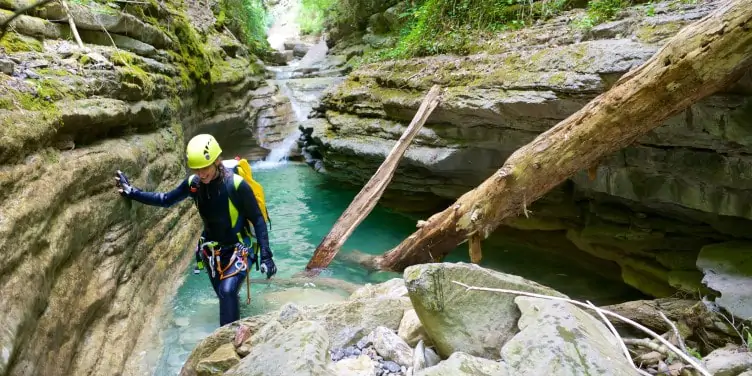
column 213, row 203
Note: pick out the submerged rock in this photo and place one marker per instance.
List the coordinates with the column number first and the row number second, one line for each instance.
column 474, row 322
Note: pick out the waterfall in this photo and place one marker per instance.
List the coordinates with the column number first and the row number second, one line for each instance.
column 278, row 155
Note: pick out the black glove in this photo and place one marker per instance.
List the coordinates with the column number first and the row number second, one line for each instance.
column 121, row 181
column 267, row 264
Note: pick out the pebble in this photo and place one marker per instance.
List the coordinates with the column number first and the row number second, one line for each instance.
column 365, row 347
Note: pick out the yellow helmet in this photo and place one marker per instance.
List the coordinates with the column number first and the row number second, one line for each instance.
column 202, row 150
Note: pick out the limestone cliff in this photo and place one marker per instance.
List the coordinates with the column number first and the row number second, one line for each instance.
column 649, row 209
column 83, row 269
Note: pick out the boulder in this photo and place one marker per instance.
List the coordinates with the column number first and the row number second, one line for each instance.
column 299, row 350
column 728, row 270
column 462, row 364
column 219, row 361
column 560, row 339
column 410, row 328
column 474, row 322
column 391, row 347
column 728, row 361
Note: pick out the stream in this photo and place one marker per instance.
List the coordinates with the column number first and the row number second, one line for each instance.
column 304, row 205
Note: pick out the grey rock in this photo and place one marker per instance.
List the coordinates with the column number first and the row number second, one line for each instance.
column 31, row 74
column 290, row 314
column 391, row 366
column 267, row 332
column 558, row 338
column 390, row 346
column 299, row 350
column 7, row 66
column 349, row 321
column 466, row 321
column 462, row 364
column 728, row 361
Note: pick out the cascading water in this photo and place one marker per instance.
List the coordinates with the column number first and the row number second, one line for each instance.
column 279, row 154
column 302, row 93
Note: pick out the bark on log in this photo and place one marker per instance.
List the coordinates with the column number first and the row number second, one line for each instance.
column 370, row 194
column 701, row 59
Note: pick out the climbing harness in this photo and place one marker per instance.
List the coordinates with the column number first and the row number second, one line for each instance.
column 212, row 252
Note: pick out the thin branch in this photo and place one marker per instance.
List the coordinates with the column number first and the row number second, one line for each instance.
column 4, row 25
column 644, row 342
column 679, row 339
column 618, row 337
column 72, row 24
column 653, row 334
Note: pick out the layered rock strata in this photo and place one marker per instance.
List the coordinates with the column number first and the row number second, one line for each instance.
column 649, row 208
column 85, row 270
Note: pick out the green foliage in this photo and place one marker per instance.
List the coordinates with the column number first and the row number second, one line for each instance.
column 449, row 26
column 313, row 14
column 693, row 352
column 247, row 19
column 599, row 11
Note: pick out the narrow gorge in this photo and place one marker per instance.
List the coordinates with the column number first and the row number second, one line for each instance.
column 657, row 213
column 91, row 280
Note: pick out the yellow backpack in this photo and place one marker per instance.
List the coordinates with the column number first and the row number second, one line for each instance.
column 241, row 167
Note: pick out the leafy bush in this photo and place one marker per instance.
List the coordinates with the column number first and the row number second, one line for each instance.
column 247, row 19
column 313, row 14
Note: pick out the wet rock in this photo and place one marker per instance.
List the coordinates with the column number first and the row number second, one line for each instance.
column 466, row 321
column 462, row 364
column 299, row 350
column 558, row 338
column 219, row 361
column 728, row 270
column 728, row 361
column 393, row 288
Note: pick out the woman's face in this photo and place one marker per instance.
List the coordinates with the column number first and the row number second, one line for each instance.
column 207, row 173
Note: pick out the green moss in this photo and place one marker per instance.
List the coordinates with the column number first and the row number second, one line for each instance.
column 6, row 104
column 131, row 74
column 195, row 59
column 13, row 42
column 657, row 33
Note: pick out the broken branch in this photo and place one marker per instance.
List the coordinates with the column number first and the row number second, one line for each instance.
column 370, row 194
column 616, row 334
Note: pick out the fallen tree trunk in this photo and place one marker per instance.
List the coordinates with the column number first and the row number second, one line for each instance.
column 701, row 59
column 370, row 194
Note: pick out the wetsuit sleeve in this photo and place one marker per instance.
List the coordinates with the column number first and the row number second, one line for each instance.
column 252, row 211
column 163, row 199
